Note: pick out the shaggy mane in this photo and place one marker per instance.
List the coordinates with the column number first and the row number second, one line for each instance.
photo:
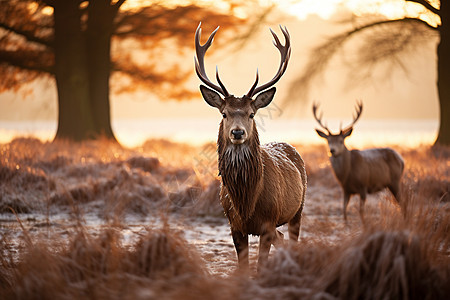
column 241, row 169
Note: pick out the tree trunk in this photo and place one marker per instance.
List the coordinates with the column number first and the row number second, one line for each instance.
column 443, row 82
column 99, row 32
column 82, row 63
column 75, row 119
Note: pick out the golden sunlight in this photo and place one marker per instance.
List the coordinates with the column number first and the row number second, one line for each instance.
column 325, row 9
column 391, row 9
column 394, row 9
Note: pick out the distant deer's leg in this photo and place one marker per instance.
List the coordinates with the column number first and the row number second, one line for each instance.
column 294, row 226
column 279, row 239
column 362, row 201
column 265, row 241
column 395, row 189
column 241, row 244
column 346, row 200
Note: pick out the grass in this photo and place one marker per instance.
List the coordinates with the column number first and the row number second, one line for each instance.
column 390, row 258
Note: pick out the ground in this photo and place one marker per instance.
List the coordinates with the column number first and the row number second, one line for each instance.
column 53, row 193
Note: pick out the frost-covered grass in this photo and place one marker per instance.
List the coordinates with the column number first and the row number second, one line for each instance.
column 95, row 220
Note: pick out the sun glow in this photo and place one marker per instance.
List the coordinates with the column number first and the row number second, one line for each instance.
column 392, row 9
column 302, row 9
column 325, row 9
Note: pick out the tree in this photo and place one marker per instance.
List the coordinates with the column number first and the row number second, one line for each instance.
column 384, row 39
column 71, row 41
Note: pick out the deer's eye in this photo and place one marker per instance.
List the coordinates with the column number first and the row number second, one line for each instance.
column 252, row 115
column 224, row 115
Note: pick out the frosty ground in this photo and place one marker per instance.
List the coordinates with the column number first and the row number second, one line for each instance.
column 53, row 192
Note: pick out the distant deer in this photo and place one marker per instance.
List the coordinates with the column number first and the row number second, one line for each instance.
column 263, row 187
column 361, row 171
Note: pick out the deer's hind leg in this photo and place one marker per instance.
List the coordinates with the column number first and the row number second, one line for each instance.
column 294, row 226
column 279, row 239
column 395, row 190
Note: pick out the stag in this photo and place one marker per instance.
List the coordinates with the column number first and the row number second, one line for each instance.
column 263, row 186
column 361, row 171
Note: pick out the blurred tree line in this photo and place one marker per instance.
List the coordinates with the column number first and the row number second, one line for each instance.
column 81, row 44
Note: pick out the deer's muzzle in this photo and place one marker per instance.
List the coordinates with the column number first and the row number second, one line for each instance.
column 237, row 136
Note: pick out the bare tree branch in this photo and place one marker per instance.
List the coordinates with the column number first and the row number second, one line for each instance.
column 32, row 61
column 427, row 5
column 119, row 4
column 28, row 35
column 49, row 2
column 322, row 55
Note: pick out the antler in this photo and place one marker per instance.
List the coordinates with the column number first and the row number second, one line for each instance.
column 285, row 52
column 200, row 63
column 358, row 109
column 319, row 119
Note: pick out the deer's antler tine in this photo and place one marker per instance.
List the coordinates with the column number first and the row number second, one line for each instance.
column 356, row 115
column 276, row 40
column 285, row 52
column 319, row 118
column 220, row 82
column 252, row 89
column 200, row 51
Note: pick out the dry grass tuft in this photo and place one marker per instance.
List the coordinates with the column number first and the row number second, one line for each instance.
column 100, row 267
column 162, row 255
column 126, row 181
column 385, row 265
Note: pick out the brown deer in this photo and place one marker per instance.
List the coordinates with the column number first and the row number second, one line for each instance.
column 361, row 171
column 263, row 187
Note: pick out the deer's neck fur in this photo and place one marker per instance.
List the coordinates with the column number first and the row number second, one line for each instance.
column 341, row 165
column 241, row 169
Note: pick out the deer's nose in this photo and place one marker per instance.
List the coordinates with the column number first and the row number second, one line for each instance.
column 237, row 133
column 332, row 151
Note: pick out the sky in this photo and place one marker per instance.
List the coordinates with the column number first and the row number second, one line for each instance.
column 403, row 95
column 408, row 95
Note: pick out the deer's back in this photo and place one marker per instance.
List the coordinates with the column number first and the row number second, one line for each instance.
column 376, row 168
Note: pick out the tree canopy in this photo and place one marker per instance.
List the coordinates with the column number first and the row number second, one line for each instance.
column 92, row 47
column 27, row 39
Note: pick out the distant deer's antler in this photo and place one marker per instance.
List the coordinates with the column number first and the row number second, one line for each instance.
column 319, row 118
column 358, row 108
column 285, row 52
column 200, row 61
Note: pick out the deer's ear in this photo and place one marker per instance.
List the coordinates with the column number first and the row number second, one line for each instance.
column 347, row 132
column 321, row 133
column 211, row 97
column 264, row 98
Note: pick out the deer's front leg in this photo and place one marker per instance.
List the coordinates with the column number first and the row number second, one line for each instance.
column 265, row 241
column 346, row 200
column 241, row 244
column 362, row 201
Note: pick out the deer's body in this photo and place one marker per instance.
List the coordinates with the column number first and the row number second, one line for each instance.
column 362, row 172
column 260, row 187
column 263, row 187
column 369, row 171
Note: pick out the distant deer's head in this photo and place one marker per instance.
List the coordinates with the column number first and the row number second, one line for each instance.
column 336, row 141
column 238, row 112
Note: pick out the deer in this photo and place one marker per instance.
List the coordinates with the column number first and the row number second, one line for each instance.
column 262, row 186
column 361, row 172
